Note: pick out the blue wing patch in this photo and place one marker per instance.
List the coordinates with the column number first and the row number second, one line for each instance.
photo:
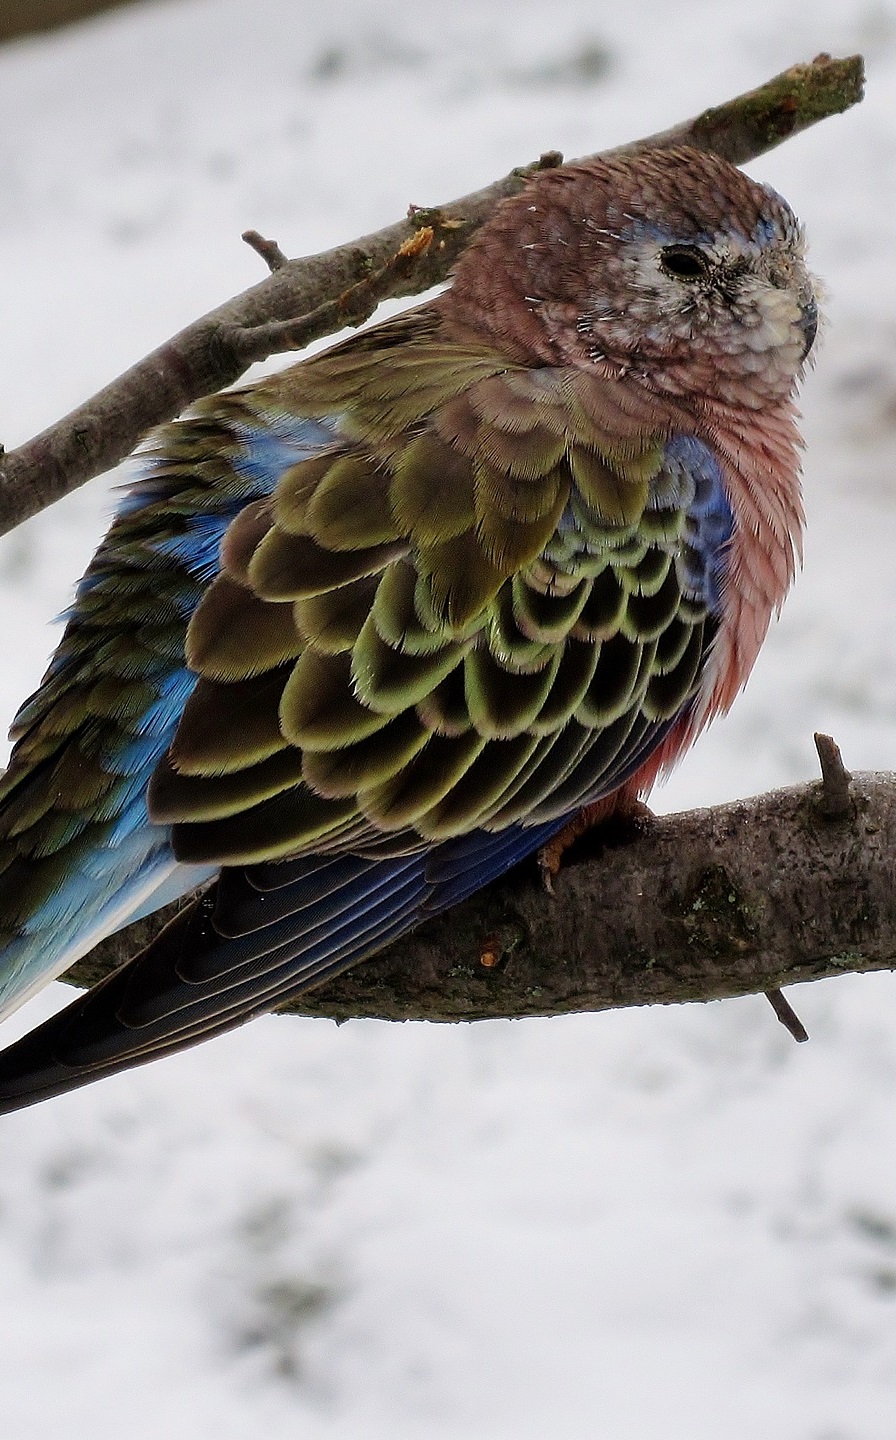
column 709, row 522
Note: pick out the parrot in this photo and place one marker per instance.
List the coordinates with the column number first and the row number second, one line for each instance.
column 370, row 631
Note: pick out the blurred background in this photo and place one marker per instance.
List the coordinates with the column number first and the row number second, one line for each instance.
column 656, row 1225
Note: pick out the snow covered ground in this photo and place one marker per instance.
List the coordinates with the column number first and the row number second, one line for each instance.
column 665, row 1225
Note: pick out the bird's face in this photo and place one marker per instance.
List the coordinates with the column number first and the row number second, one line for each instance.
column 737, row 306
column 668, row 266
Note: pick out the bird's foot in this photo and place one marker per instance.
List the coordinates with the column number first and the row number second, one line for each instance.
column 634, row 813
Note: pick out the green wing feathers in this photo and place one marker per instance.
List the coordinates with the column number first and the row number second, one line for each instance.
column 429, row 624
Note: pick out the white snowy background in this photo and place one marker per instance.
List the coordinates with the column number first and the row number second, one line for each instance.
column 663, row 1225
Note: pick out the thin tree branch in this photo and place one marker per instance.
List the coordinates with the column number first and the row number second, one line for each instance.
column 305, row 299
column 787, row 1015
column 741, row 899
column 835, row 801
column 269, row 250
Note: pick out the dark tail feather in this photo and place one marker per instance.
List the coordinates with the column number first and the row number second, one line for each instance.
column 257, row 937
column 148, row 1008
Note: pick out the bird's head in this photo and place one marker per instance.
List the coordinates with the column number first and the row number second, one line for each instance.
column 669, row 266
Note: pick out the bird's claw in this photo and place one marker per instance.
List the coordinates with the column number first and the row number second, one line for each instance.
column 550, row 856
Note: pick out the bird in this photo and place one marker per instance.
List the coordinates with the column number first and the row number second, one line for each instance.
column 367, row 633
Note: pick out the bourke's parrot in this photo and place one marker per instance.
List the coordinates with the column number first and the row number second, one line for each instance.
column 365, row 634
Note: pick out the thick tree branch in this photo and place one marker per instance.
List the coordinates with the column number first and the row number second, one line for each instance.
column 741, row 899
column 304, row 299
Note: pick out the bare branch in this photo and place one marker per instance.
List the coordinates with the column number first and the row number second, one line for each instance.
column 742, row 899
column 269, row 250
column 352, row 307
column 787, row 1015
column 305, row 299
column 835, row 802
column 760, row 119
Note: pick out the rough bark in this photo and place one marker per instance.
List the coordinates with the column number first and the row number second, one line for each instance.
column 740, row 899
column 302, row 300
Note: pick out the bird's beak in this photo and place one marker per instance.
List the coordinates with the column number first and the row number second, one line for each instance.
column 808, row 323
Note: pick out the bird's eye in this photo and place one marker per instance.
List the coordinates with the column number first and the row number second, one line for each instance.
column 685, row 262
